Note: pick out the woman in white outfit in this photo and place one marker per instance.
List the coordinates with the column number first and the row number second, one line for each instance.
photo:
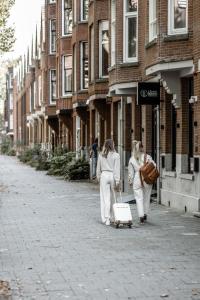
column 108, row 174
column 142, row 192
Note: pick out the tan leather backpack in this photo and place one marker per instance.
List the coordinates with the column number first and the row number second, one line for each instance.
column 148, row 172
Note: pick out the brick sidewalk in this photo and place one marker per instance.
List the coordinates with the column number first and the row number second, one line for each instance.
column 53, row 246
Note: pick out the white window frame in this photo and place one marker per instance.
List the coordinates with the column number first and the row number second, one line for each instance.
column 11, row 101
column 63, row 79
column 63, row 16
column 82, row 5
column 50, row 88
column 74, row 12
column 113, row 32
column 152, row 21
column 81, row 65
column 74, row 69
column 91, row 68
column 39, row 89
column 50, row 37
column 103, row 25
column 171, row 29
column 128, row 15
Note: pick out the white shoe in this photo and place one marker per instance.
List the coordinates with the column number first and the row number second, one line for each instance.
column 107, row 222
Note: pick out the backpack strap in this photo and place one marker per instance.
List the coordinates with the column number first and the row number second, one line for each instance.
column 141, row 179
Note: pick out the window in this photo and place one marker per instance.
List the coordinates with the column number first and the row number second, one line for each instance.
column 152, row 20
column 39, row 89
column 52, row 1
column 11, row 101
column 113, row 29
column 177, row 16
column 52, row 86
column 84, row 65
column 92, row 53
column 11, row 122
column 84, row 10
column 67, row 75
column 52, row 36
column 103, row 49
column 130, row 30
column 67, row 17
column 74, row 68
column 74, row 11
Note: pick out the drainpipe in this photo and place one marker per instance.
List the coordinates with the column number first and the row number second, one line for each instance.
column 122, row 140
column 158, row 153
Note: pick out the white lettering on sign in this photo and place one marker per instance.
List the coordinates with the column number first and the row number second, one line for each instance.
column 148, row 93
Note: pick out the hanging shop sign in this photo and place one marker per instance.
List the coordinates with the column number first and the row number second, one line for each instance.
column 148, row 93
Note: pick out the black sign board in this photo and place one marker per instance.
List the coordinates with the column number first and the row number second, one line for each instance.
column 148, row 93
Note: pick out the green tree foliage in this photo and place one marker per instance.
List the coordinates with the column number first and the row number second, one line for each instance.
column 7, row 33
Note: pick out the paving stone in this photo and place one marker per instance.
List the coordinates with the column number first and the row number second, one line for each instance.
column 53, row 245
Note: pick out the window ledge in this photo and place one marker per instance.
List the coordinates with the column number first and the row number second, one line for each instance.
column 129, row 64
column 82, row 22
column 176, row 37
column 112, row 68
column 102, row 80
column 169, row 174
column 151, row 43
column 83, row 91
column 186, row 176
column 66, row 96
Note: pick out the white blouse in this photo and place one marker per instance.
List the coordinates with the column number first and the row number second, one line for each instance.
column 110, row 164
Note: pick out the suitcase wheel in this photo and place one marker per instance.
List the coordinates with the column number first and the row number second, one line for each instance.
column 117, row 225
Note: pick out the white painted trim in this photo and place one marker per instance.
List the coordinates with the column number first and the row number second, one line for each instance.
column 96, row 96
column 62, row 14
column 170, row 66
column 63, row 82
column 186, row 176
column 126, row 16
column 103, row 25
column 169, row 174
column 151, row 9
column 81, row 65
column 113, row 35
column 81, row 12
column 50, row 36
column 50, row 89
column 171, row 30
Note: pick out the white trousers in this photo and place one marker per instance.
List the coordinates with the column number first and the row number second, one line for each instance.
column 142, row 197
column 106, row 188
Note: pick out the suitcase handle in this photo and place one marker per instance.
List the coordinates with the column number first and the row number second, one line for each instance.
column 114, row 193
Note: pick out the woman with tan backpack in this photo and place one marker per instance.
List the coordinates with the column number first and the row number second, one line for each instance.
column 141, row 169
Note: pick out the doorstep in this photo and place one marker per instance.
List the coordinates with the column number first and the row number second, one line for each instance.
column 196, row 214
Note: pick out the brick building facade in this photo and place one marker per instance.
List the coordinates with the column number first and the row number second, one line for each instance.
column 92, row 56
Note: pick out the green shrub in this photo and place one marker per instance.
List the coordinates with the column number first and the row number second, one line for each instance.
column 29, row 154
column 77, row 169
column 59, row 163
column 5, row 146
column 12, row 152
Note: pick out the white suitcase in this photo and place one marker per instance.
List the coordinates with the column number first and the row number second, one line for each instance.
column 122, row 213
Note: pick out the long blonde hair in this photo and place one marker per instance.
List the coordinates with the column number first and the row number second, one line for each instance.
column 136, row 150
column 108, row 147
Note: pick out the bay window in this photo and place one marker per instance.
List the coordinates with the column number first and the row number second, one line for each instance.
column 67, row 17
column 130, row 30
column 103, row 49
column 67, row 74
column 177, row 16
